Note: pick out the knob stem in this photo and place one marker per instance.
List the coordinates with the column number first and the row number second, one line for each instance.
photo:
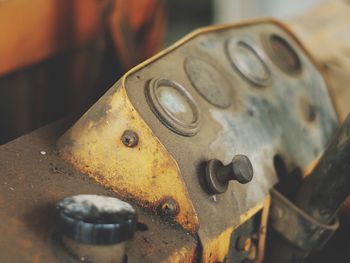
column 218, row 176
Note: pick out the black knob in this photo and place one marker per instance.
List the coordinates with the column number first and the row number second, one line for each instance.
column 218, row 176
column 96, row 219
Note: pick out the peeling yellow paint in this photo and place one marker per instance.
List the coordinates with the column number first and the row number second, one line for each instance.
column 146, row 173
column 217, row 249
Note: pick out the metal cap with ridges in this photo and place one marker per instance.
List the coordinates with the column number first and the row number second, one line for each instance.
column 96, row 219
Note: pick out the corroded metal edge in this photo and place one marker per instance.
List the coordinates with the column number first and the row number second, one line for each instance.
column 146, row 173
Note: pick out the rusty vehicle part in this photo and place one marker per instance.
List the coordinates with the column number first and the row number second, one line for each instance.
column 245, row 241
column 220, row 92
column 326, row 188
column 40, row 179
column 302, row 234
column 310, row 222
column 160, row 100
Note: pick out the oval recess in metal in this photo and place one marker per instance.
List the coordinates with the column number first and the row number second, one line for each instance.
column 174, row 106
column 209, row 82
column 282, row 53
column 245, row 56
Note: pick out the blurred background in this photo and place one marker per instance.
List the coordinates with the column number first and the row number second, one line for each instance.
column 57, row 57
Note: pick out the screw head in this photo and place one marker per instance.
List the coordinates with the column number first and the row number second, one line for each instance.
column 169, row 207
column 244, row 243
column 130, row 138
column 276, row 212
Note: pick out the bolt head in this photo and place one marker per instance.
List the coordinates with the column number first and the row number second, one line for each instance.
column 244, row 243
column 169, row 207
column 130, row 138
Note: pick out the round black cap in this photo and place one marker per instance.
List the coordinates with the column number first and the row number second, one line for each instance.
column 96, row 219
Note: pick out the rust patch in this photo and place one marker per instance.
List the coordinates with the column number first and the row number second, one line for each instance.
column 146, row 174
column 183, row 255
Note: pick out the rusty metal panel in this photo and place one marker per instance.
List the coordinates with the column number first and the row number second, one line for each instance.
column 264, row 119
column 247, row 89
column 35, row 178
column 145, row 172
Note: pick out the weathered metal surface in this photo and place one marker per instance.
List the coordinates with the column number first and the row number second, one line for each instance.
column 261, row 122
column 145, row 173
column 34, row 179
column 220, row 248
column 296, row 234
column 307, row 223
column 326, row 188
column 288, row 113
column 304, row 232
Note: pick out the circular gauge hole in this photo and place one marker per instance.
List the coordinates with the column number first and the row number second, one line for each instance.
column 175, row 103
column 209, row 82
column 174, row 106
column 247, row 61
column 283, row 54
